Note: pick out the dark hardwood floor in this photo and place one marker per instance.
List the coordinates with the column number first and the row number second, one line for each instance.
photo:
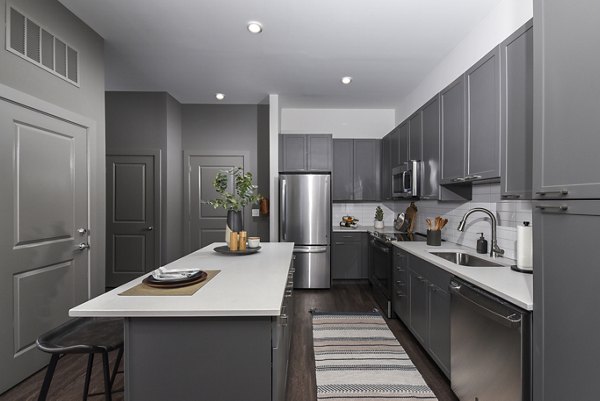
column 347, row 298
column 67, row 384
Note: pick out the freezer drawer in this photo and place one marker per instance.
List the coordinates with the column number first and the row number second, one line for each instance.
column 312, row 267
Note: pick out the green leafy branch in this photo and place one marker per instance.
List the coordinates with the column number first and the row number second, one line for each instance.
column 245, row 192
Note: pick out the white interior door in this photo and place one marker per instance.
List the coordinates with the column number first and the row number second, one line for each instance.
column 43, row 208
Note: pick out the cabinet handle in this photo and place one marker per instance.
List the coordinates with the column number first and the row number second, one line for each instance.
column 339, row 243
column 347, row 236
column 398, row 293
column 458, row 179
column 472, row 177
column 399, row 282
column 561, row 192
column 562, row 208
column 400, row 269
column 510, row 196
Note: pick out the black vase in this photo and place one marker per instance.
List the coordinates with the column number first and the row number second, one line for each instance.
column 234, row 220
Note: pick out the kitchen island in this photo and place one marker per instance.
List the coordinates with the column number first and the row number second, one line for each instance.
column 228, row 341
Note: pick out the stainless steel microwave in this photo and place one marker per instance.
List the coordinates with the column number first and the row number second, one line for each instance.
column 406, row 180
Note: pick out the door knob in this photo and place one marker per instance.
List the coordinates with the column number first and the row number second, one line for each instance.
column 82, row 230
column 149, row 228
column 83, row 245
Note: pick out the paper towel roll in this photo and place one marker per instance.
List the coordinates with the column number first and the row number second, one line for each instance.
column 524, row 247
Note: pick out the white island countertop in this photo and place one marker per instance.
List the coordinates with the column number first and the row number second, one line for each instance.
column 512, row 286
column 250, row 285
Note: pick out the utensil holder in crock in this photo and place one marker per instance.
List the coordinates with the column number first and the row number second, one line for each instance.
column 434, row 237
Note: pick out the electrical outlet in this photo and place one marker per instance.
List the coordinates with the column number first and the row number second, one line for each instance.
column 255, row 212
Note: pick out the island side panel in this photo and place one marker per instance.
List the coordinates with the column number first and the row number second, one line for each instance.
column 197, row 359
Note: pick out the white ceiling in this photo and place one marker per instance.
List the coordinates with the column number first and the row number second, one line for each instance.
column 195, row 48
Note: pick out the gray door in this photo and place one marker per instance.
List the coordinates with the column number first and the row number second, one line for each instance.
column 415, row 151
column 206, row 224
column 431, row 150
column 403, row 133
column 319, row 152
column 293, row 152
column 132, row 231
column 43, row 203
column 566, row 134
column 483, row 117
column 516, row 55
column 367, row 169
column 342, row 176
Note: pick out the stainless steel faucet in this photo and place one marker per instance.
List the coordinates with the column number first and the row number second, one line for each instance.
column 495, row 251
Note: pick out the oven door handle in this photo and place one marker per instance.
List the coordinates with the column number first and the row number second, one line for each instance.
column 379, row 247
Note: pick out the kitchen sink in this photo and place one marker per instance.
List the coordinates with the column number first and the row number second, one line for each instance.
column 464, row 259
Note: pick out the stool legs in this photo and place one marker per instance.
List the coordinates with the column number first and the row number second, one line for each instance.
column 88, row 375
column 107, row 380
column 116, row 368
column 48, row 377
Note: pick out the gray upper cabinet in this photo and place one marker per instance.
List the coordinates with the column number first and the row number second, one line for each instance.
column 386, row 167
column 343, row 170
column 483, row 117
column 319, row 152
column 516, row 64
column 367, row 169
column 356, row 169
column 300, row 152
column 453, row 133
column 415, row 136
column 566, row 124
column 394, row 147
column 431, row 149
column 403, row 135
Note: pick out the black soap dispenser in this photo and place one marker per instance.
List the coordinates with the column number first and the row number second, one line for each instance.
column 481, row 244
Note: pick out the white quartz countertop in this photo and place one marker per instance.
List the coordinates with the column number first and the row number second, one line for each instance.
column 250, row 285
column 512, row 286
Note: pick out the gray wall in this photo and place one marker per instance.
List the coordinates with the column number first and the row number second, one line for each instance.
column 87, row 100
column 230, row 128
column 152, row 120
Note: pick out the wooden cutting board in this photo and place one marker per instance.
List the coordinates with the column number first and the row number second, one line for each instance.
column 411, row 216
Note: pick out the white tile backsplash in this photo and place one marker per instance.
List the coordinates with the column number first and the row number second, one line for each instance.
column 364, row 212
column 509, row 214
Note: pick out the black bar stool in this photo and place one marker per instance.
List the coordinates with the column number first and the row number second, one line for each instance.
column 84, row 336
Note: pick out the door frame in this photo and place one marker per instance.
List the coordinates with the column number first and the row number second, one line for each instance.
column 187, row 172
column 157, row 155
column 95, row 183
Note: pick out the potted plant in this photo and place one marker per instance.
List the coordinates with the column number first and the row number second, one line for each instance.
column 234, row 201
column 378, row 217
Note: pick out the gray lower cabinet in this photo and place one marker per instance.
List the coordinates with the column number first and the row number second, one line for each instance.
column 356, row 171
column 566, row 137
column 453, row 133
column 516, row 65
column 305, row 152
column 400, row 300
column 349, row 255
column 430, row 177
column 566, row 298
column 483, row 117
column 429, row 309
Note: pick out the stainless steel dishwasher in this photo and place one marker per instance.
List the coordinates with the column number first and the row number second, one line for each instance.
column 490, row 346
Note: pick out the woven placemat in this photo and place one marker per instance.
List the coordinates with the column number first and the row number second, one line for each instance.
column 146, row 290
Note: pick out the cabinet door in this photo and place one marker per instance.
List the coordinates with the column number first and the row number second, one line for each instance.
column 319, row 153
column 566, row 134
column 364, row 264
column 418, row 306
column 483, row 117
column 439, row 327
column 343, row 170
column 516, row 63
column 403, row 134
column 386, row 167
column 415, row 134
column 453, row 131
column 293, row 152
column 395, row 147
column 430, row 178
column 346, row 258
column 400, row 290
column 367, row 167
column 566, row 299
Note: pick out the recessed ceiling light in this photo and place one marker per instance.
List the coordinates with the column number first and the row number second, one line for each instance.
column 346, row 80
column 220, row 96
column 255, row 27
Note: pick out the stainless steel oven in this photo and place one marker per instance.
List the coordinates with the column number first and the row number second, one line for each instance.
column 406, row 180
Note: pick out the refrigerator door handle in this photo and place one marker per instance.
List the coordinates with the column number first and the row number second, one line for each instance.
column 283, row 210
column 309, row 249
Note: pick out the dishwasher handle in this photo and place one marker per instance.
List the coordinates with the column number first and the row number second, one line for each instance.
column 486, row 304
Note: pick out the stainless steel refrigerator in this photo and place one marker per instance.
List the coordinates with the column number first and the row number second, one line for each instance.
column 305, row 219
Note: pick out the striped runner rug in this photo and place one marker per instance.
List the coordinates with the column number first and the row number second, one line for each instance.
column 358, row 358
